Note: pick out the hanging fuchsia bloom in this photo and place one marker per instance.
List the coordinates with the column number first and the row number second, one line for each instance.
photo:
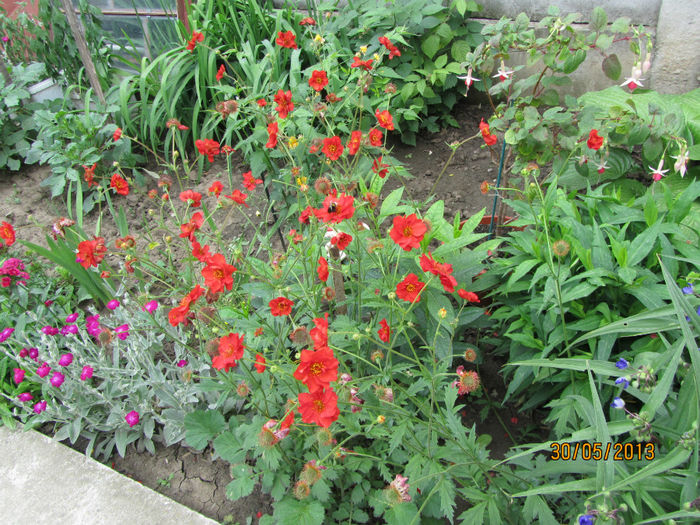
column 26, row 396
column 65, row 359
column 132, row 418
column 86, row 373
column 18, row 374
column 57, row 379
column 40, row 407
column 43, row 370
column 150, row 306
column 122, row 331
column 658, row 173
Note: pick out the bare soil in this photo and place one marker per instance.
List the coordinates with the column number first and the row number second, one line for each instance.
column 190, row 477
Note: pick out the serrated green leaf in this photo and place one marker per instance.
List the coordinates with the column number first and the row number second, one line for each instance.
column 229, row 448
column 201, row 427
column 306, row 512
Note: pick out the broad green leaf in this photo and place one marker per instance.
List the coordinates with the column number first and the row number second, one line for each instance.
column 201, row 427
column 306, row 512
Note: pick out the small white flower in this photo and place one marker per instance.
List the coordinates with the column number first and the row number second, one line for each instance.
column 681, row 164
column 468, row 80
column 658, row 173
column 504, row 73
column 635, row 80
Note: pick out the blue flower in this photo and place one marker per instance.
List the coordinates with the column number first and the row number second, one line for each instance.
column 617, row 403
column 586, row 520
column 688, row 289
column 622, row 381
column 622, row 363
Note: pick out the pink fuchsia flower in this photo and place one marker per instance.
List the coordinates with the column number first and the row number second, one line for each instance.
column 122, row 331
column 5, row 334
column 132, row 418
column 113, row 304
column 40, row 407
column 26, row 396
column 86, row 373
column 65, row 359
column 634, row 81
column 182, row 363
column 69, row 329
column 43, row 370
column 72, row 317
column 57, row 379
column 681, row 164
column 49, row 330
column 33, row 353
column 150, row 306
column 468, row 80
column 18, row 374
column 658, row 173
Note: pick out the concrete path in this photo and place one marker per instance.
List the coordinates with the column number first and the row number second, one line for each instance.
column 45, row 482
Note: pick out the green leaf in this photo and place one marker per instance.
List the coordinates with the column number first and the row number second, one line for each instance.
column 447, row 494
column 229, row 448
column 676, row 457
column 431, row 45
column 581, row 485
column 599, row 19
column 242, row 484
column 307, row 512
column 401, row 514
column 201, row 427
column 390, row 204
column 612, row 67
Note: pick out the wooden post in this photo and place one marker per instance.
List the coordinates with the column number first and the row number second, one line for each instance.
column 78, row 35
column 182, row 13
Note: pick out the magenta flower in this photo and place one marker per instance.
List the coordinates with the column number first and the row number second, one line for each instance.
column 33, row 353
column 122, row 332
column 40, row 407
column 150, row 306
column 132, row 418
column 6, row 39
column 50, row 330
column 26, row 396
column 57, row 379
column 18, row 375
column 69, row 329
column 86, row 373
column 92, row 325
column 65, row 359
column 24, row 352
column 48, row 303
column 43, row 370
column 182, row 363
column 72, row 317
column 113, row 304
column 5, row 334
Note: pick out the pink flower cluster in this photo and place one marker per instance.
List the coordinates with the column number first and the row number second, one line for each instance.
column 13, row 268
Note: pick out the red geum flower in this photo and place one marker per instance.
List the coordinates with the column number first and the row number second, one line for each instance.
column 208, row 148
column 489, row 138
column 284, row 103
column 307, row 21
column 376, row 137
column 199, row 252
column 7, row 234
column 409, row 289
column 443, row 270
column 230, row 351
column 227, row 149
column 119, row 185
column 249, row 181
column 272, row 129
column 317, row 368
column 220, row 73
column 196, row 37
column 175, row 123
column 286, row 39
column 468, row 296
column 594, row 141
column 117, row 134
column 380, row 168
column 238, row 196
column 260, row 363
column 261, row 102
column 318, row 80
column 393, row 50
column 322, row 269
column 408, row 231
column 195, row 223
column 332, row 147
column 342, row 240
column 193, row 198
column 336, row 209
column 384, row 119
column 320, row 407
column 216, row 188
column 332, row 97
column 91, row 253
column 124, row 243
column 384, row 332
column 354, row 142
column 281, row 306
column 364, row 64
column 305, row 215
column 218, row 274
column 319, row 334
column 89, row 175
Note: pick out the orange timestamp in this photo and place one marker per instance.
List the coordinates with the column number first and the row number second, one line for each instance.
column 602, row 451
